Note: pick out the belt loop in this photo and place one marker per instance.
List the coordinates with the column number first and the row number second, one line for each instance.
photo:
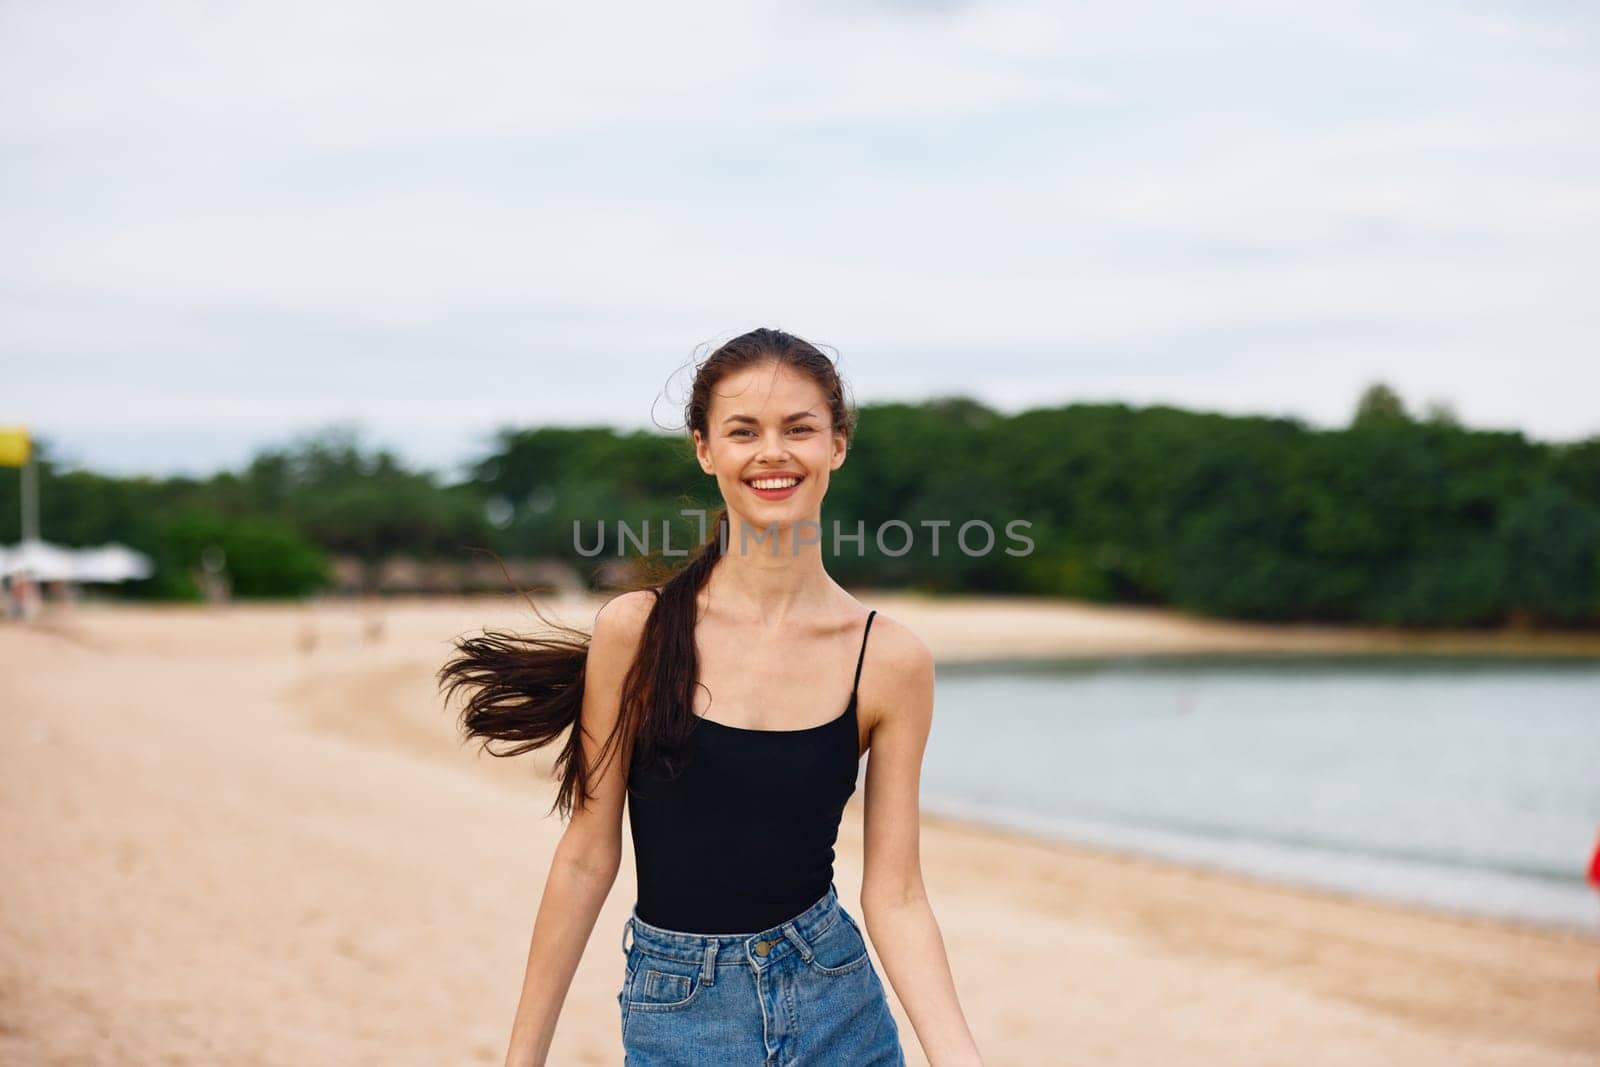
column 799, row 942
column 627, row 942
column 708, row 969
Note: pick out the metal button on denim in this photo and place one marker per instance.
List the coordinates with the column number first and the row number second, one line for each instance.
column 763, row 947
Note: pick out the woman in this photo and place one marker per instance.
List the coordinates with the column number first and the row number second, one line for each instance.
column 710, row 701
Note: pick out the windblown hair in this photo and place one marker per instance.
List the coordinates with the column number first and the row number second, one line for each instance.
column 526, row 690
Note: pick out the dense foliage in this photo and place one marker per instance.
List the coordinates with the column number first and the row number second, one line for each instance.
column 1391, row 519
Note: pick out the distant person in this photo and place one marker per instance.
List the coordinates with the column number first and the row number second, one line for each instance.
column 717, row 691
column 372, row 621
column 307, row 637
column 26, row 593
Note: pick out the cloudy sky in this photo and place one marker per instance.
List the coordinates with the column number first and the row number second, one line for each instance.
column 223, row 225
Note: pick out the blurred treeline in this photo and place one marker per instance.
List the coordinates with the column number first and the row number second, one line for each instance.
column 1393, row 519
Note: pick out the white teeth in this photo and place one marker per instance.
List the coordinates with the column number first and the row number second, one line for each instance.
column 775, row 483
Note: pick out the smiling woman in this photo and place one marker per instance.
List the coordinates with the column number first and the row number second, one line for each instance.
column 741, row 951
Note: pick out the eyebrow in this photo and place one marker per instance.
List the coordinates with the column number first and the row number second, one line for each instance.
column 751, row 418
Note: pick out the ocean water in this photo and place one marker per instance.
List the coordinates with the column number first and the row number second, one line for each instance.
column 1466, row 784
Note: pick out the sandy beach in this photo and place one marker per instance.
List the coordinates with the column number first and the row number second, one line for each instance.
column 250, row 835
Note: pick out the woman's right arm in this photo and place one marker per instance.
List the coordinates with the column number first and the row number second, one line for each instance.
column 589, row 854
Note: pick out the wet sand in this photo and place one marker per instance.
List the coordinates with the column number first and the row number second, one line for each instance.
column 250, row 836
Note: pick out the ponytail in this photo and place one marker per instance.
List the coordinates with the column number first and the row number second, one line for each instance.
column 525, row 691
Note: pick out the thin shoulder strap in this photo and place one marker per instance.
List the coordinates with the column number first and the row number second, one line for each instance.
column 862, row 658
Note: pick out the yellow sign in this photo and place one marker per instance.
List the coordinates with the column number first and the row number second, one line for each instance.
column 13, row 446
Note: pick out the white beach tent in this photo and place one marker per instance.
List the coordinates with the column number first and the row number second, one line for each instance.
column 111, row 563
column 39, row 560
column 45, row 562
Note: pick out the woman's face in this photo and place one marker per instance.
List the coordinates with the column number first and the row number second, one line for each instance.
column 770, row 424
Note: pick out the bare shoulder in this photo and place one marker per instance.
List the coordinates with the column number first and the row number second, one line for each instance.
column 902, row 667
column 620, row 621
column 896, row 646
column 617, row 633
column 613, row 647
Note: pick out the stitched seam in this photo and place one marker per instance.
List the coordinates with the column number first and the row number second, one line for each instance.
column 843, row 968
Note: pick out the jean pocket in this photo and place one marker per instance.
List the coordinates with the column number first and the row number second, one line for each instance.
column 840, row 949
column 657, row 984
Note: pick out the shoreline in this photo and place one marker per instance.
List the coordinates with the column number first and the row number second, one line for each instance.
column 1109, row 841
column 1066, row 629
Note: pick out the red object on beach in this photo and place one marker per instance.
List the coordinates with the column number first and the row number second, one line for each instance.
column 1594, row 865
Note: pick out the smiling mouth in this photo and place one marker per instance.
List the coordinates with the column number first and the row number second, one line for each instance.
column 775, row 486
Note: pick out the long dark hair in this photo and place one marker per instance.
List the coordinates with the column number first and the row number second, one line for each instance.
column 526, row 690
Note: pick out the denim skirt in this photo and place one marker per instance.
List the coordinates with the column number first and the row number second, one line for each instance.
column 803, row 993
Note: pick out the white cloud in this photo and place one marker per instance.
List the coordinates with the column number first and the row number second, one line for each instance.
column 354, row 74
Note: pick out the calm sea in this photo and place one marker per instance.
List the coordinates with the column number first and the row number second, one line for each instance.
column 1471, row 785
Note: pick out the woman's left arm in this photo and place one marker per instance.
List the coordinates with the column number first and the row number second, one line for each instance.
column 894, row 902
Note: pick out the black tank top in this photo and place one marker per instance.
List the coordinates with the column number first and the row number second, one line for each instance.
column 742, row 838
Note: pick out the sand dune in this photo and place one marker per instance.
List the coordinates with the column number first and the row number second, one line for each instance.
column 251, row 836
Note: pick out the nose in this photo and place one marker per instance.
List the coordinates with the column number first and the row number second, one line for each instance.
column 775, row 448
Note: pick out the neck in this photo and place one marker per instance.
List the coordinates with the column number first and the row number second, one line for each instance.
column 774, row 574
